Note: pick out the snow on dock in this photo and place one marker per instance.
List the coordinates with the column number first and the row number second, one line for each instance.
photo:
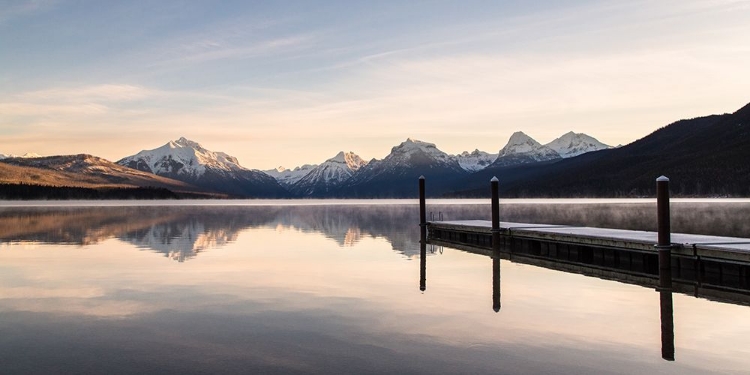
column 726, row 248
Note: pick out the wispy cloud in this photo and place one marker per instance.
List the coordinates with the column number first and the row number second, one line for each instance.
column 205, row 51
column 90, row 93
column 232, row 39
column 71, row 103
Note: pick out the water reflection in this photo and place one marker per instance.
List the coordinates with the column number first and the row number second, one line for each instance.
column 182, row 232
column 496, row 281
column 321, row 290
column 666, row 308
column 423, row 265
column 666, row 313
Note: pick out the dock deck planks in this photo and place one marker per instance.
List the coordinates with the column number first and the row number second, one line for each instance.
column 726, row 248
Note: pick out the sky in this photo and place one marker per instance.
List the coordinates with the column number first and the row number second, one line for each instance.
column 286, row 83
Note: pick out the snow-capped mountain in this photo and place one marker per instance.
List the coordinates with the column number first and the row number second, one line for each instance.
column 287, row 177
column 573, row 144
column 328, row 175
column 28, row 155
column 522, row 149
column 475, row 160
column 182, row 157
column 188, row 161
column 414, row 152
column 395, row 175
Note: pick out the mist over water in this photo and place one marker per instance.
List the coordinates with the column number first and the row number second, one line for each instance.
column 346, row 223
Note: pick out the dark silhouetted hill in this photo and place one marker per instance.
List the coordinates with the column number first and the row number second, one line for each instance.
column 706, row 156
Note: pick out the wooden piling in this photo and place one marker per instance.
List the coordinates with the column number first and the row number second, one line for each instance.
column 664, row 234
column 495, row 213
column 422, row 206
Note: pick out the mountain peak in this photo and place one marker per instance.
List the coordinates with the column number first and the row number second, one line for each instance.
column 184, row 142
column 520, row 137
column 519, row 143
column 573, row 144
column 522, row 149
column 352, row 160
column 411, row 145
column 413, row 153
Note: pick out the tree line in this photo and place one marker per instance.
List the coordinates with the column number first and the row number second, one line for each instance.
column 41, row 192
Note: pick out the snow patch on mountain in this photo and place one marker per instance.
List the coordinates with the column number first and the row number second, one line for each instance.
column 28, row 155
column 573, row 144
column 475, row 160
column 288, row 177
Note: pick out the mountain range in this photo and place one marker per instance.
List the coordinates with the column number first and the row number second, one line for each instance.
column 698, row 152
column 187, row 161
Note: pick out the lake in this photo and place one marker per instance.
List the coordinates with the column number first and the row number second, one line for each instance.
column 336, row 287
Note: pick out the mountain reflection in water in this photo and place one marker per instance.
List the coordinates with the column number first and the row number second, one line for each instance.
column 181, row 232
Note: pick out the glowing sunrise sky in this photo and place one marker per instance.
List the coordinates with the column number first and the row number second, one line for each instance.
column 294, row 82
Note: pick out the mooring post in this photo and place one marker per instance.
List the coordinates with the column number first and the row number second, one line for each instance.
column 495, row 213
column 422, row 209
column 664, row 236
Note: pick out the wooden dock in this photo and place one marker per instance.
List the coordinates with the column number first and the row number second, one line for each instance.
column 716, row 268
column 704, row 266
column 713, row 262
column 479, row 233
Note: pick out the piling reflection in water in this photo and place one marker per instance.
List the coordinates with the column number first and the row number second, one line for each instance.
column 496, row 281
column 663, row 285
column 423, row 265
column 667, row 325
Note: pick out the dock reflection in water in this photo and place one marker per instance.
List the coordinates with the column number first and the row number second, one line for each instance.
column 666, row 308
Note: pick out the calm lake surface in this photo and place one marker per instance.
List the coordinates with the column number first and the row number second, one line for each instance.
column 334, row 287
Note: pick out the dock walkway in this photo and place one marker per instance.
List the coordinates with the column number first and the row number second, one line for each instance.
column 479, row 232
